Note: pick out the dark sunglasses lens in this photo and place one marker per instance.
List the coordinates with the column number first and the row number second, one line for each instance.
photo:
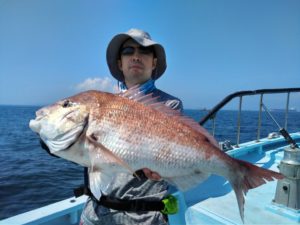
column 142, row 50
column 146, row 50
column 127, row 51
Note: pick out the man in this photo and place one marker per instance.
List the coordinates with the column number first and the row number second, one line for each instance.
column 134, row 59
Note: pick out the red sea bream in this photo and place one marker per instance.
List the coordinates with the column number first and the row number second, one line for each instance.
column 123, row 133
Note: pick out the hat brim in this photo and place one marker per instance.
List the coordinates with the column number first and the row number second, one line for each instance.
column 112, row 55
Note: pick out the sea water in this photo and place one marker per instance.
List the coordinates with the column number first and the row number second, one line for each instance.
column 30, row 178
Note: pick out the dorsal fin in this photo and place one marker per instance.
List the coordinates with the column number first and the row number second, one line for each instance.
column 135, row 94
column 131, row 92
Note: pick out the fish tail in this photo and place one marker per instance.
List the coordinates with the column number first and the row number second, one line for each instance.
column 250, row 176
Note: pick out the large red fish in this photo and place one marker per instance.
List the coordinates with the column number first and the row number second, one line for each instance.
column 112, row 134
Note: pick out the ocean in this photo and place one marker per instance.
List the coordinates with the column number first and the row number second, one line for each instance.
column 30, row 178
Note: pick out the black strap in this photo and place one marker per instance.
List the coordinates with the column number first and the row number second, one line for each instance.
column 82, row 190
column 131, row 205
column 121, row 204
column 86, row 177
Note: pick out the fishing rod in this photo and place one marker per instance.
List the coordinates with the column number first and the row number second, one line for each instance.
column 282, row 131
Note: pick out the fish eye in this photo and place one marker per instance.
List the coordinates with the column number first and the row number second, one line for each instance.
column 67, row 103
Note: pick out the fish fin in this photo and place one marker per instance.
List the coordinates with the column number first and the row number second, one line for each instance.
column 129, row 93
column 251, row 176
column 95, row 184
column 135, row 94
column 184, row 183
column 100, row 183
column 240, row 198
column 107, row 155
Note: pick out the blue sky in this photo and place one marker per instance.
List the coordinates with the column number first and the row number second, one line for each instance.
column 52, row 49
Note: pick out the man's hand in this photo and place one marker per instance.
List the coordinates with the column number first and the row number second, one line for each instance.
column 151, row 175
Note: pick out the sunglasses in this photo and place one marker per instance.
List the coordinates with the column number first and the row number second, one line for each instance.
column 142, row 50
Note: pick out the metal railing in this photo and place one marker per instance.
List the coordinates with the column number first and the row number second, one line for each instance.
column 212, row 113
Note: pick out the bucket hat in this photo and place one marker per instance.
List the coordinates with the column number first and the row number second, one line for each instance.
column 141, row 37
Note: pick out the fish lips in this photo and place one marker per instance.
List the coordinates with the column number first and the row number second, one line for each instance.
column 35, row 125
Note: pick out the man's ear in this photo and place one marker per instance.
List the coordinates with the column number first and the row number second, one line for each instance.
column 120, row 64
column 154, row 63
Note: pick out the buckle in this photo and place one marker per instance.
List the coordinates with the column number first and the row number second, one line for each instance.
column 171, row 205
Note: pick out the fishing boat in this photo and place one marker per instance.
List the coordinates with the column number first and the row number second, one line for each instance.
column 214, row 201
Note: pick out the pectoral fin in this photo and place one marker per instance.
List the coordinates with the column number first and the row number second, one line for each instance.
column 100, row 183
column 106, row 156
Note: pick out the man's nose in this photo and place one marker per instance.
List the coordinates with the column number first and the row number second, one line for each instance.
column 136, row 56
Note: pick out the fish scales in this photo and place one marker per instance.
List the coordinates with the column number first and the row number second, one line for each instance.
column 123, row 133
column 148, row 133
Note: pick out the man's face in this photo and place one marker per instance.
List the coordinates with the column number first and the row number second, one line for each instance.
column 136, row 62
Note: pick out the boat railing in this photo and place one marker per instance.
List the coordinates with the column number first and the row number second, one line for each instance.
column 211, row 115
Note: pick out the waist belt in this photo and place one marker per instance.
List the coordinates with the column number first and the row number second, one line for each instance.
column 168, row 205
column 131, row 205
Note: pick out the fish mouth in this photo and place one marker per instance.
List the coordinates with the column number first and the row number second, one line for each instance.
column 35, row 125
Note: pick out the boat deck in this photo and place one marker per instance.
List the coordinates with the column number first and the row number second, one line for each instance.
column 219, row 205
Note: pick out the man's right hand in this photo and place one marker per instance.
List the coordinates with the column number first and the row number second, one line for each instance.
column 151, row 174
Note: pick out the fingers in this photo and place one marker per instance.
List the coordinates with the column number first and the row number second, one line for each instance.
column 151, row 174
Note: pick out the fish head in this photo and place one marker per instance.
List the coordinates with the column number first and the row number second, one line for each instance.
column 61, row 124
